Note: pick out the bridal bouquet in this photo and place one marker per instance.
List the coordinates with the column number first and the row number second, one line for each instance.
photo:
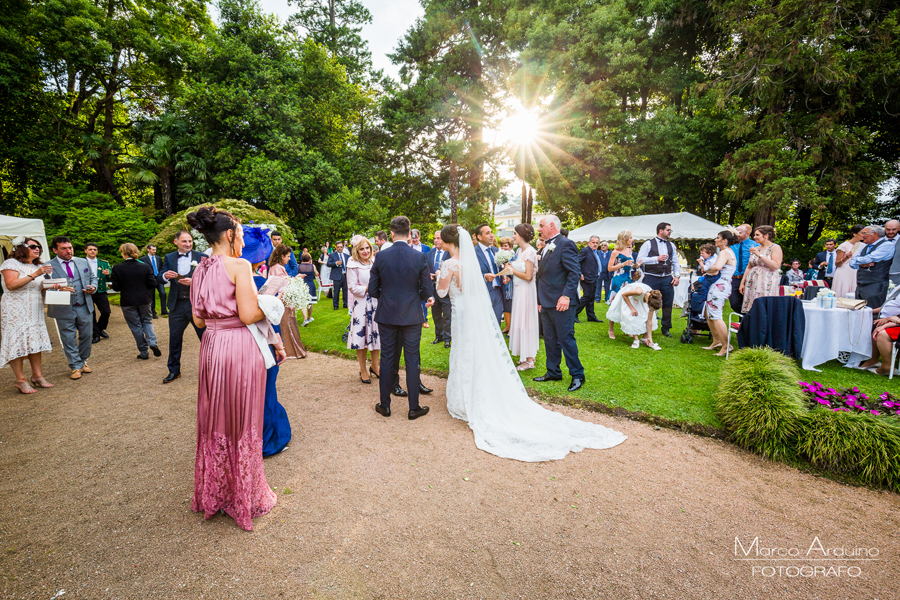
column 503, row 256
column 296, row 294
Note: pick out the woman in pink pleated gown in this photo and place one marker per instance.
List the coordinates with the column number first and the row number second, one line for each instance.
column 228, row 469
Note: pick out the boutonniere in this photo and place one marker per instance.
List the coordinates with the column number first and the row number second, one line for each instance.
column 85, row 270
column 551, row 247
column 193, row 263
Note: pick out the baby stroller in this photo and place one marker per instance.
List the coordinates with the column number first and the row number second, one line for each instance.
column 693, row 312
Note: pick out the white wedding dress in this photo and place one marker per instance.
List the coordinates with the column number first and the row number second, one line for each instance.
column 484, row 388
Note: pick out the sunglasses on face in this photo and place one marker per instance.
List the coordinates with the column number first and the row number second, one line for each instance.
column 34, row 246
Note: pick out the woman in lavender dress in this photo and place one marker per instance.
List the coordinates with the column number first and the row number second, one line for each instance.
column 228, row 469
column 363, row 328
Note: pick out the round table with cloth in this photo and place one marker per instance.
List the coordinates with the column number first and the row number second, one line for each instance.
column 833, row 331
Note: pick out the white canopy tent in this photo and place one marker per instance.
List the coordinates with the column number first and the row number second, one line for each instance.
column 685, row 226
column 11, row 227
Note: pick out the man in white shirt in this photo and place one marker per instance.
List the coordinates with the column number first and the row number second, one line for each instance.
column 827, row 261
column 891, row 229
column 440, row 310
column 485, row 251
column 381, row 240
column 661, row 270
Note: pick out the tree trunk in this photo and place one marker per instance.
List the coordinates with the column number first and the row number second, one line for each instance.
column 165, row 186
column 804, row 217
column 524, row 203
column 530, row 205
column 454, row 192
column 764, row 215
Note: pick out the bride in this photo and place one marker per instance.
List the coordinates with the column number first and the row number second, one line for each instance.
column 484, row 388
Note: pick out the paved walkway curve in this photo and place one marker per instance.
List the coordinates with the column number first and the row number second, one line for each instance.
column 96, row 478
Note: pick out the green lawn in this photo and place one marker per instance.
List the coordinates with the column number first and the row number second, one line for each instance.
column 677, row 383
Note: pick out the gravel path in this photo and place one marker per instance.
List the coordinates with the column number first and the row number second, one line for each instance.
column 96, row 478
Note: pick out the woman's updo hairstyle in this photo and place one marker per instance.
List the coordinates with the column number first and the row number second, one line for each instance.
column 212, row 223
column 768, row 231
column 450, row 235
column 655, row 300
column 729, row 237
column 525, row 231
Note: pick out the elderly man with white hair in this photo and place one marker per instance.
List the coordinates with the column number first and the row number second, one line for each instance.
column 873, row 266
column 558, row 276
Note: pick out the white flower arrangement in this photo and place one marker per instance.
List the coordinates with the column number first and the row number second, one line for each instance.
column 824, row 292
column 194, row 264
column 296, row 294
column 503, row 256
column 551, row 247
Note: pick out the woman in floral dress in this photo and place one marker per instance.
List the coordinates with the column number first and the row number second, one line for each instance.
column 763, row 273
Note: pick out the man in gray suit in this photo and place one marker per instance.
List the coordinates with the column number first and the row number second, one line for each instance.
column 891, row 229
column 76, row 321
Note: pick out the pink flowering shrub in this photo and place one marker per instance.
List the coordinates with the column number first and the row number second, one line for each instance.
column 850, row 400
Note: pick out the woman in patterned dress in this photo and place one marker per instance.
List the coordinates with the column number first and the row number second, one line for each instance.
column 363, row 329
column 763, row 273
column 22, row 328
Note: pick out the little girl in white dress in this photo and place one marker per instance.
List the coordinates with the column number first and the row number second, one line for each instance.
column 634, row 309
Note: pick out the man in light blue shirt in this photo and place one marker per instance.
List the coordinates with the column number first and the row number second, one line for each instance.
column 873, row 266
column 742, row 253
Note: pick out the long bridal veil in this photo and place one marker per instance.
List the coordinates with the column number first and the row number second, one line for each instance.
column 485, row 390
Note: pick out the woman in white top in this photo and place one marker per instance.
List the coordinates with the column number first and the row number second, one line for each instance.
column 844, row 281
column 524, row 327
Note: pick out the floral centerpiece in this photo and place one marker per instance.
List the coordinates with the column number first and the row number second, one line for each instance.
column 826, row 298
column 296, row 294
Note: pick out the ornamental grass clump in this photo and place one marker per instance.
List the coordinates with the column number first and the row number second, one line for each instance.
column 759, row 403
column 853, row 443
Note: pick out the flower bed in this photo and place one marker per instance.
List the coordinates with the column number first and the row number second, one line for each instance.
column 850, row 400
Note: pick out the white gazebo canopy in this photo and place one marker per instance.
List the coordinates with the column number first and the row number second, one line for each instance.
column 685, row 226
column 11, row 227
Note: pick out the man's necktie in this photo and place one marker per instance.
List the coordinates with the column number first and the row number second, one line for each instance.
column 437, row 260
column 69, row 270
column 153, row 264
column 830, row 263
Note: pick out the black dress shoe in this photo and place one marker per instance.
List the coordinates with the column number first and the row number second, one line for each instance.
column 171, row 377
column 383, row 410
column 96, row 339
column 418, row 412
column 155, row 350
column 399, row 391
column 446, row 344
column 143, row 356
column 154, row 316
column 577, row 383
column 435, row 342
column 577, row 320
column 104, row 335
column 546, row 377
column 372, row 371
column 667, row 334
column 364, row 380
column 164, row 313
column 424, row 390
column 594, row 321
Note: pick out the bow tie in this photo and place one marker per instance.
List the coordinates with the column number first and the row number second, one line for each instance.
column 180, row 255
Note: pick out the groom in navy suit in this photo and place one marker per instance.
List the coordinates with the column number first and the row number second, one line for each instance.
column 485, row 251
column 558, row 275
column 401, row 281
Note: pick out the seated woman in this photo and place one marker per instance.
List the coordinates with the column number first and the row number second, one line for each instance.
column 794, row 275
column 887, row 329
column 634, row 309
column 812, row 272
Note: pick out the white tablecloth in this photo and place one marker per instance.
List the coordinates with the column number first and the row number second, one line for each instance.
column 681, row 292
column 830, row 331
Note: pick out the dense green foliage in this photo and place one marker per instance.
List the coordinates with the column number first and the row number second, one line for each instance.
column 736, row 110
column 854, row 444
column 759, row 402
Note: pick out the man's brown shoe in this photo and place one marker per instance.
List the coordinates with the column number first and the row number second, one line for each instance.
column 85, row 368
column 76, row 374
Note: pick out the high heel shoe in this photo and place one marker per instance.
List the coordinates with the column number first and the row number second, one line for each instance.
column 365, row 380
column 374, row 374
column 41, row 382
column 24, row 388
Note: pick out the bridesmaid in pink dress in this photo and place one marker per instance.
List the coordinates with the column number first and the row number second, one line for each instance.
column 228, row 469
column 524, row 327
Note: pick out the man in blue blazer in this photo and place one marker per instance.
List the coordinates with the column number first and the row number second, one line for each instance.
column 400, row 280
column 156, row 265
column 179, row 267
column 604, row 281
column 558, row 275
column 337, row 262
column 485, row 251
column 589, row 263
column 440, row 312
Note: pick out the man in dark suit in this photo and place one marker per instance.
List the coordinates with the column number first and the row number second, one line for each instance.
column 337, row 262
column 400, row 280
column 590, row 273
column 440, row 311
column 156, row 265
column 136, row 282
column 558, row 275
column 485, row 251
column 604, row 280
column 826, row 261
column 179, row 266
